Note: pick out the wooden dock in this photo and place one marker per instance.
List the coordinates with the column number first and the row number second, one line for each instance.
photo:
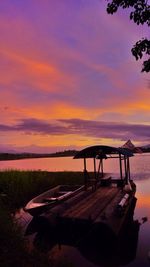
column 93, row 208
column 104, row 202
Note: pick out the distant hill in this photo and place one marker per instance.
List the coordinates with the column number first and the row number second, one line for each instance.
column 146, row 148
column 14, row 156
column 67, row 153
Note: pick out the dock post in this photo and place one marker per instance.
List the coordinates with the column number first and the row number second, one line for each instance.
column 94, row 167
column 102, row 167
column 125, row 168
column 120, row 167
column 128, row 167
column 85, row 175
column 95, row 174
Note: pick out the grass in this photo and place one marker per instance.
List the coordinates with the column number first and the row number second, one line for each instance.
column 16, row 189
column 21, row 186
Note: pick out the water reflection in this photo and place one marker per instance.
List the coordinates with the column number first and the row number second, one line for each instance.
column 139, row 164
column 48, row 164
column 99, row 247
column 111, row 252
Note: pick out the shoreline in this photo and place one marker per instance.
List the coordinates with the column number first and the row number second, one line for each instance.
column 17, row 156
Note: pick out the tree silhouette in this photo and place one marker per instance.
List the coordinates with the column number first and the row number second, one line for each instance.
column 140, row 14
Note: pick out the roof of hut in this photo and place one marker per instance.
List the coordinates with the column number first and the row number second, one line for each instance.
column 101, row 151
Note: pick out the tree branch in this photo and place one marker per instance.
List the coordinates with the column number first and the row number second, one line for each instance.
column 140, row 15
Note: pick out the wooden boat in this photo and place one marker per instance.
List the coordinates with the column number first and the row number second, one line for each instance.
column 51, row 198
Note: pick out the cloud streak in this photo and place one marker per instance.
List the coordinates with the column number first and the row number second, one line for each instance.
column 87, row 128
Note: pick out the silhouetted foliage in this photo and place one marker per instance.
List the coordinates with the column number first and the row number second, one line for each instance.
column 140, row 14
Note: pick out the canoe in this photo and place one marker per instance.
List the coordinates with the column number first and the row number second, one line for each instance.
column 50, row 198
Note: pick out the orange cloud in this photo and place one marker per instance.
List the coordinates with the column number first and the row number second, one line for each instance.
column 37, row 74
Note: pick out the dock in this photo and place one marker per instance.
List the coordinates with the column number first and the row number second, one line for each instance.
column 104, row 204
column 93, row 210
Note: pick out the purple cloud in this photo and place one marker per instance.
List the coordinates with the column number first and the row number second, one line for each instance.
column 96, row 129
column 115, row 130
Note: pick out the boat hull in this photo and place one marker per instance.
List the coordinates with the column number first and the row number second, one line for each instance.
column 51, row 198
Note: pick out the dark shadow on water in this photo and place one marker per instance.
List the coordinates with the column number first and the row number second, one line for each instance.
column 108, row 251
column 97, row 244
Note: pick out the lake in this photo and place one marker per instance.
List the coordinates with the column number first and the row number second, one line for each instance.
column 140, row 170
column 139, row 164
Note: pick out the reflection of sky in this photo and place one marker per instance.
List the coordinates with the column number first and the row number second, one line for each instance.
column 70, row 60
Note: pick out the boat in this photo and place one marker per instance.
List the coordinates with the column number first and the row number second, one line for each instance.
column 51, row 198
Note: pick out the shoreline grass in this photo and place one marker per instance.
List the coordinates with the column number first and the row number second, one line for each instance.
column 16, row 189
column 21, row 186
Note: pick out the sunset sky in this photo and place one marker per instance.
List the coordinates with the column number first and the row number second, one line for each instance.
column 67, row 77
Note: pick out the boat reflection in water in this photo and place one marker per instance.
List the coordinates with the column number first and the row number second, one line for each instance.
column 98, row 245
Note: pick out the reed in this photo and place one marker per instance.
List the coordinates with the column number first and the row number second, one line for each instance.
column 20, row 186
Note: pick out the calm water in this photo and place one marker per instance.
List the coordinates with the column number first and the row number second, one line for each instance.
column 140, row 169
column 139, row 164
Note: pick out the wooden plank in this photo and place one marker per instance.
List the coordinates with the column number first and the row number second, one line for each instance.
column 108, row 213
column 109, row 216
column 83, row 203
column 63, row 206
column 98, row 202
column 107, row 202
column 92, row 205
column 117, row 221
